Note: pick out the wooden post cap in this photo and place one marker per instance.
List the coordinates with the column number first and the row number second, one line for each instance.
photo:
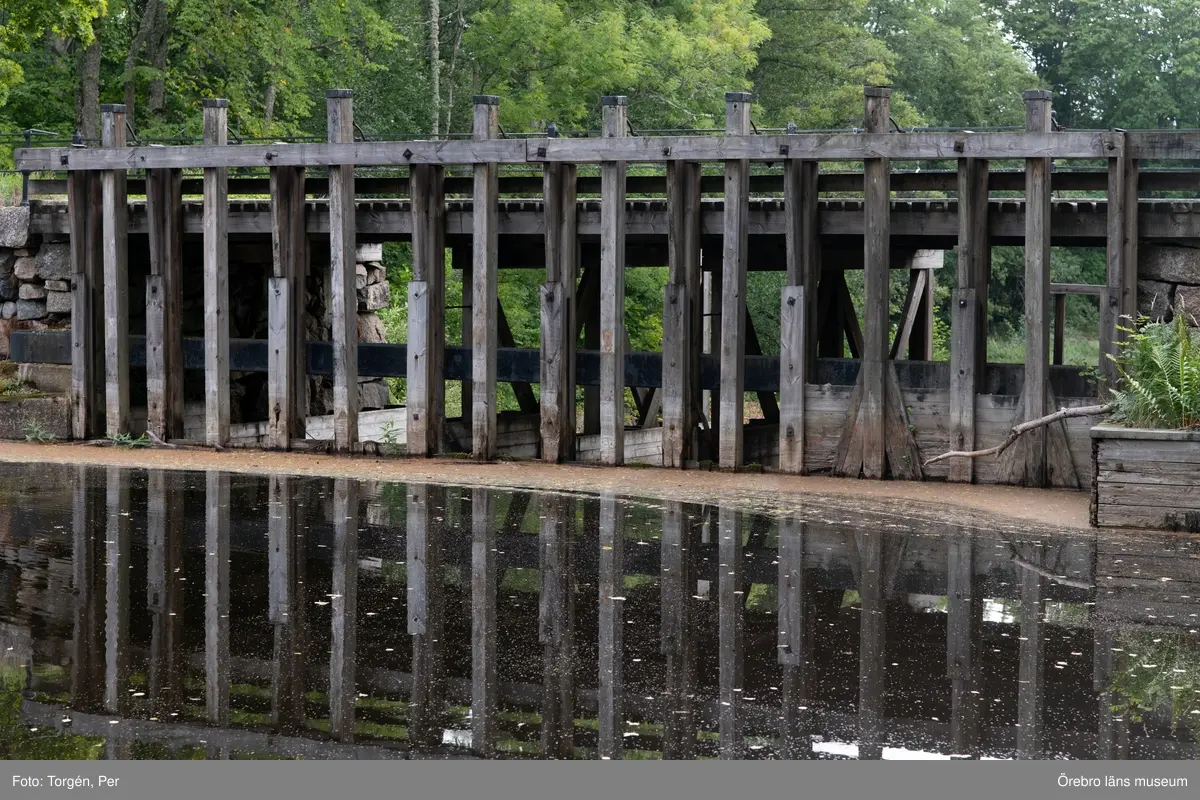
column 339, row 94
column 112, row 108
column 1037, row 94
column 485, row 99
column 210, row 102
column 614, row 100
column 877, row 91
column 739, row 97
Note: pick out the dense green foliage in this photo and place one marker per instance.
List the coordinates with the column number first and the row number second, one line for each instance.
column 1160, row 370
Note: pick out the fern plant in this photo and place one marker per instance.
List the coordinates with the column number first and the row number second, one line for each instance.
column 1159, row 364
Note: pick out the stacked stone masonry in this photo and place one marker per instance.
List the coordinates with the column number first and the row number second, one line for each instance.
column 1169, row 278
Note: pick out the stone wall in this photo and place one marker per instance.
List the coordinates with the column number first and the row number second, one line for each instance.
column 35, row 294
column 1168, row 277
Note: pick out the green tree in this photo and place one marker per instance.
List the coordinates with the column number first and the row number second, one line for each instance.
column 26, row 22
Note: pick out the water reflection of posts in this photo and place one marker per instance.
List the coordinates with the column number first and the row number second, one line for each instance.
column 793, row 640
column 116, row 592
column 872, row 589
column 483, row 622
column 87, row 666
column 611, row 693
column 964, row 619
column 216, row 597
column 164, row 591
column 344, row 608
column 1031, row 665
column 731, row 596
column 678, row 581
column 1112, row 733
column 285, row 568
column 425, row 611
column 556, row 620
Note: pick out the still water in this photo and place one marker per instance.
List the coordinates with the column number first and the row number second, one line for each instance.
column 153, row 614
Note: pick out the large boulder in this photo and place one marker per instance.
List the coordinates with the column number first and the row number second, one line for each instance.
column 31, row 309
column 25, row 268
column 1188, row 298
column 58, row 303
column 1155, row 298
column 1170, row 263
column 374, row 297
column 370, row 329
column 54, row 261
column 32, row 291
column 14, row 226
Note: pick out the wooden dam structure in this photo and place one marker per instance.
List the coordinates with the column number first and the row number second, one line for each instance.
column 878, row 414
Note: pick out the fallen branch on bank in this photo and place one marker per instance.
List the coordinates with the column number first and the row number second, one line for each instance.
column 1025, row 427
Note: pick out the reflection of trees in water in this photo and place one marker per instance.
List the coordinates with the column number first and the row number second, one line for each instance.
column 1159, row 678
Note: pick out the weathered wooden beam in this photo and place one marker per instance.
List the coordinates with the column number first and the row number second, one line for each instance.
column 735, row 243
column 484, row 686
column 767, row 401
column 343, row 295
column 556, row 618
column 920, row 343
column 968, row 312
column 611, row 579
column 216, row 281
column 217, row 527
column 426, row 395
column 1037, row 291
column 612, row 290
column 909, row 313
column 1121, row 246
column 678, row 584
column 558, row 331
column 964, row 619
column 876, row 255
column 287, row 379
column 644, row 149
column 85, row 208
column 712, row 346
column 426, row 611
column 1031, row 689
column 164, row 305
column 286, row 607
column 164, row 591
column 1060, row 320
column 484, row 300
column 343, row 649
column 682, row 321
column 117, row 549
column 730, row 623
column 588, row 308
column 115, row 248
column 802, row 231
column 793, row 370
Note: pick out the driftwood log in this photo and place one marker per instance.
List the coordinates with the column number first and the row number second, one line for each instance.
column 1025, row 427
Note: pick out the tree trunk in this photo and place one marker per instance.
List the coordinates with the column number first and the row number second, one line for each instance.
column 435, row 61
column 160, row 38
column 269, row 105
column 149, row 13
column 87, row 81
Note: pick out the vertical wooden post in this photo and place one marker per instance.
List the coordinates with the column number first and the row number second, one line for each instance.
column 611, row 694
column 730, row 590
column 164, row 591
column 425, row 611
column 1060, row 319
column 1037, row 290
column 285, row 570
column 484, row 299
column 87, row 584
column 1122, row 256
column 426, row 312
column 964, row 617
column 612, row 290
column 682, row 320
column 556, row 619
column 116, row 277
column 85, row 206
column 287, row 365
column 344, row 610
column 1031, row 664
column 678, row 644
column 734, row 246
column 483, row 623
column 876, row 270
column 793, row 357
column 116, row 592
column 793, row 636
column 216, row 281
column 164, row 304
column 343, row 295
column 872, row 644
column 558, row 313
column 216, row 597
column 968, row 312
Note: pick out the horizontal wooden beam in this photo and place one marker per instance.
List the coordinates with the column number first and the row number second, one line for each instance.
column 1077, row 288
column 642, row 149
